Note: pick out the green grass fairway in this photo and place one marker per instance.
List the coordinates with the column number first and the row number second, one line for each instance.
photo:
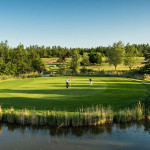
column 49, row 92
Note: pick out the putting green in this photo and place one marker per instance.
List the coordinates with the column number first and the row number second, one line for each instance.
column 48, row 92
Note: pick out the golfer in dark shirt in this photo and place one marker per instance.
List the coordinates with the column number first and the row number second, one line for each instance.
column 90, row 82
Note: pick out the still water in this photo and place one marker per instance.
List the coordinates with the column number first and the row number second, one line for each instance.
column 127, row 136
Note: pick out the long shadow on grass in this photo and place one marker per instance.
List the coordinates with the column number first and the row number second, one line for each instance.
column 119, row 80
column 110, row 80
column 123, row 95
column 59, row 104
column 54, row 91
column 79, row 89
column 71, row 99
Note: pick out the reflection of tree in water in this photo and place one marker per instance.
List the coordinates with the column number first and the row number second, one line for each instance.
column 12, row 127
column 97, row 130
column 122, row 125
column 80, row 131
column 77, row 131
column 109, row 128
column 53, row 131
column 146, row 124
column 128, row 125
column 1, row 128
column 139, row 124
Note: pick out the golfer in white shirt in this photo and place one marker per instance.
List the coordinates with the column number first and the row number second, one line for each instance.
column 67, row 83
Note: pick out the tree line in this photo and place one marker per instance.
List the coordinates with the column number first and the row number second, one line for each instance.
column 21, row 60
column 116, row 54
column 56, row 51
column 15, row 61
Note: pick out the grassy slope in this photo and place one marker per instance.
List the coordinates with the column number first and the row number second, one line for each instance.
column 47, row 93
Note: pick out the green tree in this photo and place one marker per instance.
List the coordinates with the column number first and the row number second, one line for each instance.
column 130, row 53
column 85, row 59
column 116, row 54
column 75, row 61
column 95, row 57
column 36, row 62
column 146, row 67
column 2, row 66
column 62, row 68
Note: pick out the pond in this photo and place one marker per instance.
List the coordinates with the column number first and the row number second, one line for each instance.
column 117, row 136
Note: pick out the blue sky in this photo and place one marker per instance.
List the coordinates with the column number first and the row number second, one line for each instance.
column 74, row 23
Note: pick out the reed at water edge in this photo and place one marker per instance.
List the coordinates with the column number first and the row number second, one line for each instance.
column 82, row 117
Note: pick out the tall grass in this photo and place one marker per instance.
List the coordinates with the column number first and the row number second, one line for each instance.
column 134, row 114
column 21, row 76
column 95, row 115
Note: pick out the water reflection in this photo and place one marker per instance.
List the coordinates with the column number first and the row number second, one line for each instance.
column 1, row 127
column 116, row 136
column 147, row 126
column 76, row 131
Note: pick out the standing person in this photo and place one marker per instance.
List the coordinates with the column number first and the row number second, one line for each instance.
column 67, row 84
column 90, row 82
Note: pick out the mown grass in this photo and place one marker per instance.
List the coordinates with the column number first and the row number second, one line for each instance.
column 50, row 93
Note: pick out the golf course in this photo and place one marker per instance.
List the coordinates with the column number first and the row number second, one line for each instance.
column 50, row 93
